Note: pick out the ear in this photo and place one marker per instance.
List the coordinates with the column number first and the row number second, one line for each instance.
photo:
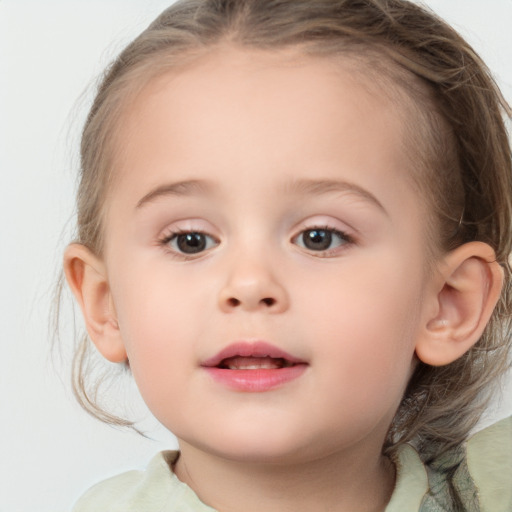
column 87, row 277
column 466, row 291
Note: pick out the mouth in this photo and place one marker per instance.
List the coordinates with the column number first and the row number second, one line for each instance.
column 254, row 363
column 254, row 367
column 252, row 355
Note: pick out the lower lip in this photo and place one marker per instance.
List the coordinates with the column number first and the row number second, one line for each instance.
column 256, row 381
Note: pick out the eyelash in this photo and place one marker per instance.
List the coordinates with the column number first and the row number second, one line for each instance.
column 174, row 235
column 210, row 241
column 345, row 240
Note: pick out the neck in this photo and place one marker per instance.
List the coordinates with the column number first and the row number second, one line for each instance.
column 339, row 482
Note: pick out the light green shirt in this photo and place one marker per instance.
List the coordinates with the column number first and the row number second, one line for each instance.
column 476, row 477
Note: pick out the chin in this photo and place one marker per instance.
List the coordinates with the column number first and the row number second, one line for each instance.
column 264, row 447
column 262, row 455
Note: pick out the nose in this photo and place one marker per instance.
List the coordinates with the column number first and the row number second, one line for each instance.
column 253, row 286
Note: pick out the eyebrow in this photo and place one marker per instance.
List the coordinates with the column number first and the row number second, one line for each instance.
column 300, row 187
column 320, row 187
column 179, row 188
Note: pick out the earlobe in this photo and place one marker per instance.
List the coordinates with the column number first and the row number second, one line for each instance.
column 469, row 286
column 87, row 277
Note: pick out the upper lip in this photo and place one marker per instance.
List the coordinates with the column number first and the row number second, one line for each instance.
column 250, row 349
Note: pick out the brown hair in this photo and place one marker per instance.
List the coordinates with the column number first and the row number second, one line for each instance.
column 460, row 144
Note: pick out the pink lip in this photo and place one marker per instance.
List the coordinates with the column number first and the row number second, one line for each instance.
column 250, row 349
column 254, row 380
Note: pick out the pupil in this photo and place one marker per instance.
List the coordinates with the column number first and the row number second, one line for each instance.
column 190, row 243
column 317, row 239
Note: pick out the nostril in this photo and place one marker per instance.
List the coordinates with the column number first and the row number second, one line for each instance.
column 266, row 302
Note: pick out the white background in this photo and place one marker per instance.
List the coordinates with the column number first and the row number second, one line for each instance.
column 50, row 53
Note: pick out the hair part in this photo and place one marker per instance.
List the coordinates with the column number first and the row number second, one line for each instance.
column 455, row 137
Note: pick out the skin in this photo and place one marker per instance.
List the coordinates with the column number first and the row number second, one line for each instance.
column 272, row 148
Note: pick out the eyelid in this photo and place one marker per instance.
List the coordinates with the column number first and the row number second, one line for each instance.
column 167, row 244
column 325, row 224
column 341, row 234
column 170, row 234
column 183, row 227
column 193, row 225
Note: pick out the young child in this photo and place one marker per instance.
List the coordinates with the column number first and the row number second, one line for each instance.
column 293, row 228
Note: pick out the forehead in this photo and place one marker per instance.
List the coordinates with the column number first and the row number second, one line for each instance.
column 255, row 111
column 282, row 84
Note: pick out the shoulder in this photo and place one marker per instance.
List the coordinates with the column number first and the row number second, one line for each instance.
column 489, row 461
column 154, row 489
column 476, row 476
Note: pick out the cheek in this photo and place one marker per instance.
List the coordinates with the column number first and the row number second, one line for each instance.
column 367, row 322
column 156, row 315
column 156, row 301
column 379, row 293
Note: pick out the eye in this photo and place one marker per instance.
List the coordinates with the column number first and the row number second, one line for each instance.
column 321, row 239
column 190, row 242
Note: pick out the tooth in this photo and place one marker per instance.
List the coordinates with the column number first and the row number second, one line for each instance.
column 250, row 367
column 255, row 363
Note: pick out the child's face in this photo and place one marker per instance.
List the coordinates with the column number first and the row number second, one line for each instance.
column 304, row 234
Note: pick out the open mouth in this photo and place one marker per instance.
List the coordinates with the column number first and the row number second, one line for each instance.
column 254, row 363
column 257, row 355
column 254, row 367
